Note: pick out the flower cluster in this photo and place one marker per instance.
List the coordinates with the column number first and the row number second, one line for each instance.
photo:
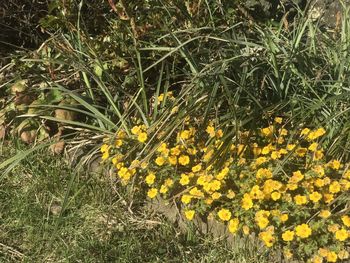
column 273, row 182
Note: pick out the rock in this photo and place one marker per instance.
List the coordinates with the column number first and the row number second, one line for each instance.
column 328, row 12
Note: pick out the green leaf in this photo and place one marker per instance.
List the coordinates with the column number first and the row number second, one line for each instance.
column 53, row 96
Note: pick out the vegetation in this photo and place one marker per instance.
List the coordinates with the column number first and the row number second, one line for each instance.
column 158, row 85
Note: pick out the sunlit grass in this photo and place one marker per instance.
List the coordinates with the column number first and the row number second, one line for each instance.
column 93, row 225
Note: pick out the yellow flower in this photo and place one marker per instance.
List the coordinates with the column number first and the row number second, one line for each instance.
column 116, row 159
column 333, row 228
column 121, row 134
column 301, row 151
column 192, row 151
column 215, row 185
column 341, row 234
column 185, row 135
column 263, row 173
column 189, row 214
column 224, row 214
column 334, row 164
column 275, row 155
column 150, row 178
column 300, row 199
column 284, row 217
column 196, row 168
column 324, row 213
column 315, row 134
column 163, row 189
column 160, row 160
column 275, row 195
column 288, row 235
column 319, row 182
column 231, row 195
column 215, row 195
column 175, row 151
column 346, row 175
column 195, row 192
column 174, row 110
column 319, row 170
column 152, row 193
column 278, row 120
column 305, row 131
column 323, row 252
column 256, row 193
column 318, row 155
column 262, row 222
column 334, row 187
column 343, row 254
column 118, row 143
column 211, row 131
column 328, row 198
column 222, row 174
column 160, row 98
column 105, row 148
column 163, row 148
column 290, row 147
column 185, row 180
column 246, row 230
column 332, row 256
column 186, row 199
column 184, row 160
column 267, row 238
column 144, row 165
column 297, row 177
column 136, row 130
column 315, row 196
column 303, row 231
column 105, row 151
column 345, row 184
column 283, row 132
column 313, row 147
column 247, row 202
column 142, row 137
column 268, row 131
column 288, row 254
column 267, row 149
column 292, row 186
column 317, row 259
column 207, row 156
column 346, row 220
column 172, row 160
column 169, row 182
column 256, row 150
column 123, row 171
column 219, row 133
column 233, row 225
column 208, row 201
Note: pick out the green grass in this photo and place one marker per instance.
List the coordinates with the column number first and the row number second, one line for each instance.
column 93, row 224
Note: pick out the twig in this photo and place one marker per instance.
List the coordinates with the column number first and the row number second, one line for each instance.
column 12, row 251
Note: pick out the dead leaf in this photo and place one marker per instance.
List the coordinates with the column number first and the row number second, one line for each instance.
column 2, row 132
column 28, row 136
column 58, row 147
column 65, row 114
